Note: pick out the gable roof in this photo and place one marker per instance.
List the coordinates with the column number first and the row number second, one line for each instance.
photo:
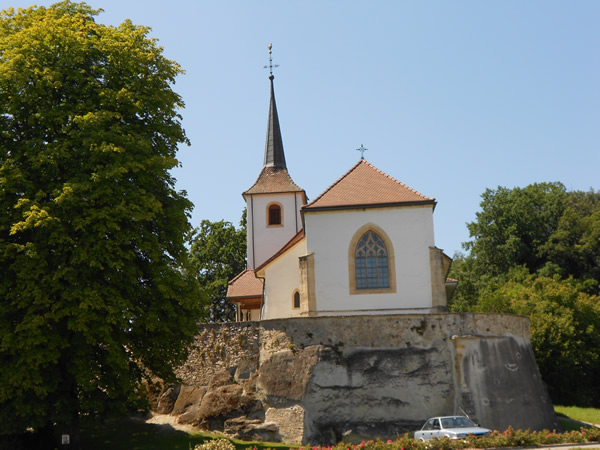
column 365, row 186
column 245, row 285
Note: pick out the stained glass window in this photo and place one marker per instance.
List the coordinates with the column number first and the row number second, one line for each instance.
column 371, row 262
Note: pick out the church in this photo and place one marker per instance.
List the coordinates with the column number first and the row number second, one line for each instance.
column 363, row 246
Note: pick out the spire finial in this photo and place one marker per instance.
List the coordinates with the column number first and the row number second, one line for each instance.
column 362, row 151
column 271, row 65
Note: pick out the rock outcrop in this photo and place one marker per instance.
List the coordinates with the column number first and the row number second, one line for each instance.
column 323, row 380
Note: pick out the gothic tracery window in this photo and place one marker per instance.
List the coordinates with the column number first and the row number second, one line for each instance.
column 371, row 262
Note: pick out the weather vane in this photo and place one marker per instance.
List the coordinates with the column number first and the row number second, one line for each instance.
column 362, row 151
column 271, row 65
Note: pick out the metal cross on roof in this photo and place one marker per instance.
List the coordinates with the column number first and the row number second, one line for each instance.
column 362, row 151
column 271, row 65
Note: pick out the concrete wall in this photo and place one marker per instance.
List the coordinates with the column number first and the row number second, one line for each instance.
column 325, row 379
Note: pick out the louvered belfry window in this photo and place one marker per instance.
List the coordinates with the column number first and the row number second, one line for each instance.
column 371, row 262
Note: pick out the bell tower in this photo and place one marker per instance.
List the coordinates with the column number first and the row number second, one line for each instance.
column 273, row 202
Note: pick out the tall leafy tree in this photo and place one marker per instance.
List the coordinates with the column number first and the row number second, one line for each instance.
column 542, row 227
column 218, row 254
column 93, row 293
column 574, row 245
column 565, row 330
column 536, row 251
column 513, row 225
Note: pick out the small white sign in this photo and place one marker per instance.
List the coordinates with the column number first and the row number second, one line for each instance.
column 66, row 439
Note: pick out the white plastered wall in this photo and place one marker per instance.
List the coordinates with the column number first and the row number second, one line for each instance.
column 264, row 241
column 282, row 279
column 328, row 236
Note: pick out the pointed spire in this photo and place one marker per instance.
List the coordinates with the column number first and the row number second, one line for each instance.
column 274, row 155
column 274, row 176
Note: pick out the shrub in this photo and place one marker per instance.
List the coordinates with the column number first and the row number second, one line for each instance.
column 218, row 444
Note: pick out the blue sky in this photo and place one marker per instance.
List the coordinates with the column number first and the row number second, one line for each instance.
column 450, row 97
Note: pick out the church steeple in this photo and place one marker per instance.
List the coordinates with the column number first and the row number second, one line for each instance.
column 274, row 177
column 274, row 155
column 273, row 202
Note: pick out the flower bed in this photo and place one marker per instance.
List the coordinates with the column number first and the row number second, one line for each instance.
column 508, row 438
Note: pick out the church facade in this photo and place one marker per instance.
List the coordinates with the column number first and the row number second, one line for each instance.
column 364, row 246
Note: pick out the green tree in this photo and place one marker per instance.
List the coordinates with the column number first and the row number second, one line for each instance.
column 93, row 294
column 218, row 254
column 470, row 283
column 565, row 331
column 574, row 246
column 542, row 227
column 536, row 251
column 513, row 225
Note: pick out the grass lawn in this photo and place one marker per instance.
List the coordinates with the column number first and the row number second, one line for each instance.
column 138, row 435
column 134, row 434
column 567, row 425
column 590, row 415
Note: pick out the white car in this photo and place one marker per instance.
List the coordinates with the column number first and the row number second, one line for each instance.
column 453, row 427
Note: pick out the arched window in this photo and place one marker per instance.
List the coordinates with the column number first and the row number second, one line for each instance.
column 274, row 214
column 296, row 303
column 371, row 262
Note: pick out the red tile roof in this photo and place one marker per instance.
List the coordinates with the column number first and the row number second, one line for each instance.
column 273, row 180
column 245, row 285
column 366, row 186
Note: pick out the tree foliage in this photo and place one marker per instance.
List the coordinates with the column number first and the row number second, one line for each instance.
column 512, row 226
column 535, row 251
column 218, row 254
column 574, row 245
column 93, row 296
column 565, row 330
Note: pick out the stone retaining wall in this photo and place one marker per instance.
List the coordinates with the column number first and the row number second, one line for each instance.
column 325, row 379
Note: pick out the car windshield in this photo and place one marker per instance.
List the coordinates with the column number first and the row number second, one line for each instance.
column 456, row 422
